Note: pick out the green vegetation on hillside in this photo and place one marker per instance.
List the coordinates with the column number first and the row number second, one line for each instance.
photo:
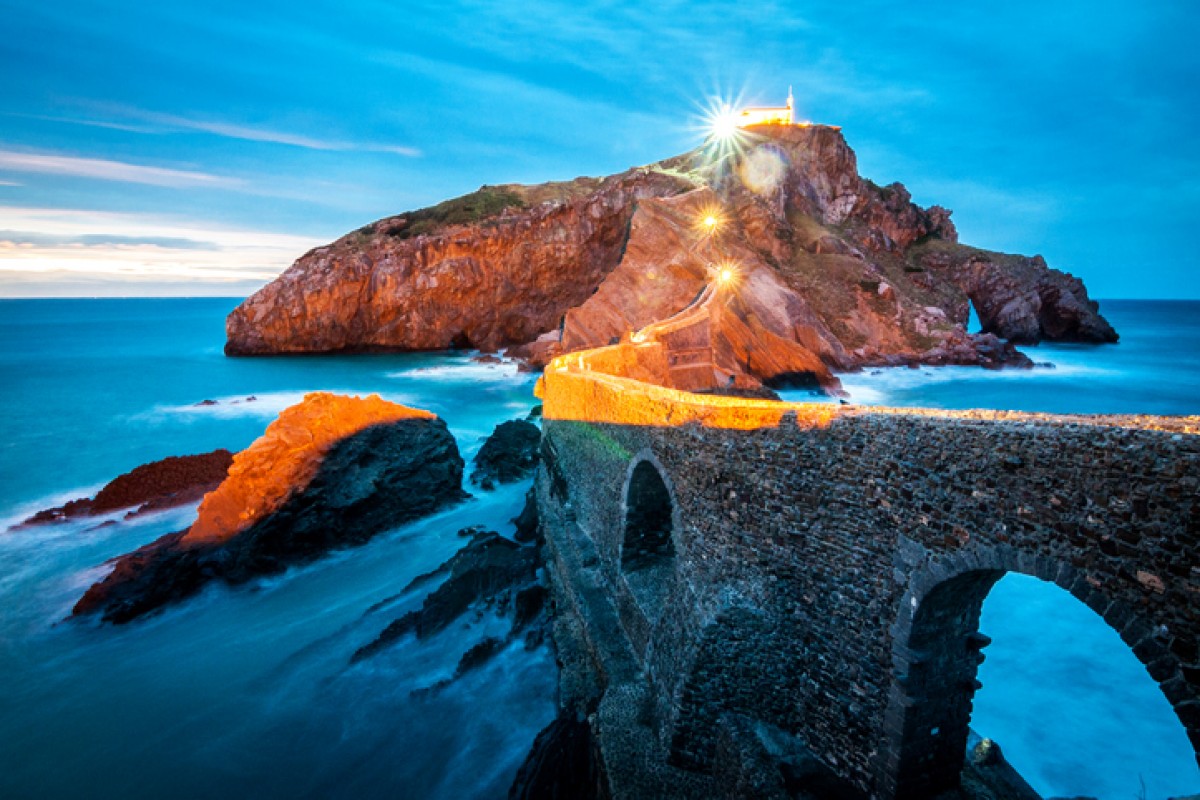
column 487, row 202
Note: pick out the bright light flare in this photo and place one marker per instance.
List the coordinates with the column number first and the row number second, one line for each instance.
column 709, row 220
column 727, row 274
column 723, row 122
column 724, row 137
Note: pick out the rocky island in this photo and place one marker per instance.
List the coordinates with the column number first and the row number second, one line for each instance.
column 833, row 272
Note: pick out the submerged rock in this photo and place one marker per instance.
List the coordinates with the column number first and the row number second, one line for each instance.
column 509, row 454
column 170, row 482
column 330, row 472
column 489, row 569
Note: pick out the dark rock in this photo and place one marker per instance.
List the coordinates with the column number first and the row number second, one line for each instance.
column 1020, row 298
column 535, row 412
column 487, row 567
column 171, row 482
column 527, row 520
column 563, row 764
column 487, row 358
column 509, row 454
column 793, row 380
column 207, row 403
column 528, row 606
column 478, row 655
column 378, row 478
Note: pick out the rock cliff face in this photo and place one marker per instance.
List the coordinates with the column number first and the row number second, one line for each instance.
column 330, row 472
column 500, row 279
column 830, row 271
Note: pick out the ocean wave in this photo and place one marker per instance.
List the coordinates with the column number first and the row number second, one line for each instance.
column 876, row 386
column 23, row 511
column 465, row 372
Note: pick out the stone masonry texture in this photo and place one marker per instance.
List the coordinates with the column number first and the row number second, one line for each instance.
column 827, row 581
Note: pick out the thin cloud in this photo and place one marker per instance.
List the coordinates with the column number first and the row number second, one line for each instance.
column 50, row 246
column 103, row 169
column 100, row 240
column 157, row 123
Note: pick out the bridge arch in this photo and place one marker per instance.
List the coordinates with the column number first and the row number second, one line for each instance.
column 649, row 525
column 725, row 674
column 937, row 649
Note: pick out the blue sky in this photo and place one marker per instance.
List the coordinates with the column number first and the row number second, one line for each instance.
column 198, row 148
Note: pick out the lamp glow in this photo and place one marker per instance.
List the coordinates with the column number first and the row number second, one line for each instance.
column 725, row 274
column 723, row 124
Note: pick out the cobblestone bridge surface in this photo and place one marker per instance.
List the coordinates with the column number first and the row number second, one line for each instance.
column 742, row 577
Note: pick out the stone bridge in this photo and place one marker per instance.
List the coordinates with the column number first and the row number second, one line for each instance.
column 740, row 580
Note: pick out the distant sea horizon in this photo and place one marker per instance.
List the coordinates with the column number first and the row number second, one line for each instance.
column 249, row 690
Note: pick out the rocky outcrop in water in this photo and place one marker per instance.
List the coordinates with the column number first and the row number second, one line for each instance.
column 1019, row 298
column 509, row 454
column 330, row 472
column 830, row 271
column 170, row 482
column 490, row 569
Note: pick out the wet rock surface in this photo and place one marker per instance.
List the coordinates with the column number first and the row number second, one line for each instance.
column 170, row 482
column 563, row 764
column 510, row 454
column 361, row 484
column 527, row 528
column 490, row 570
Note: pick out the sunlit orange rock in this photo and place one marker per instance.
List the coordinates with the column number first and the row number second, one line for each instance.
column 330, row 472
column 498, row 269
column 284, row 460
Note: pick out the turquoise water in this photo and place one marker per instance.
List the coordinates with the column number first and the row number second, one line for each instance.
column 248, row 692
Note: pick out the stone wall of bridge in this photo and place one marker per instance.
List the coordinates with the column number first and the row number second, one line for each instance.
column 828, row 565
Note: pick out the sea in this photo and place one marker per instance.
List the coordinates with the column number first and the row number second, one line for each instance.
column 249, row 692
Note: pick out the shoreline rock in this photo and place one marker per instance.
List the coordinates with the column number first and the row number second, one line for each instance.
column 153, row 486
column 510, row 454
column 330, row 472
column 490, row 569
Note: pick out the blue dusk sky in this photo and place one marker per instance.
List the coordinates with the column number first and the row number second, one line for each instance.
column 185, row 148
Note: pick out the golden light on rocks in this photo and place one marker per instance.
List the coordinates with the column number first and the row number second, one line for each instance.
column 285, row 457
